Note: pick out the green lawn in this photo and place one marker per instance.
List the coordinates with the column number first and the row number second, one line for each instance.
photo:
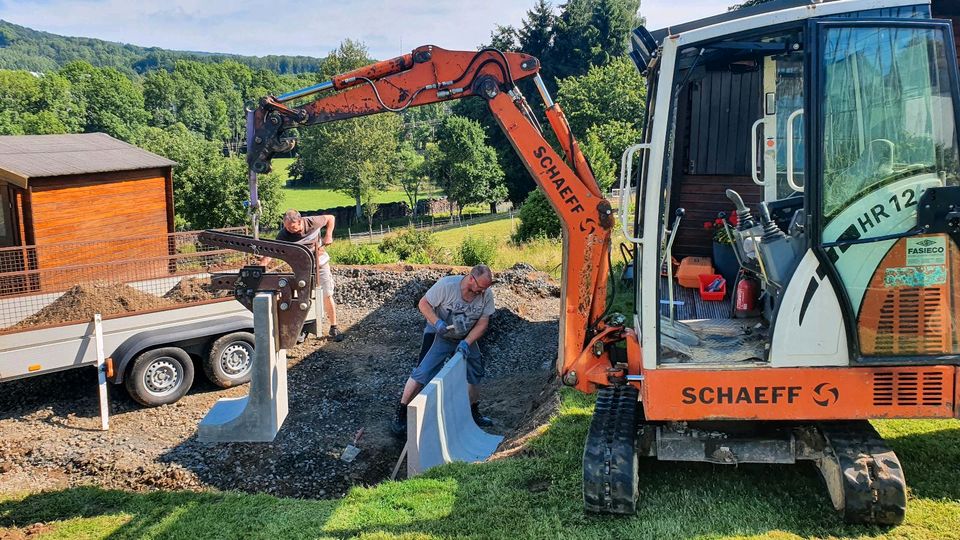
column 533, row 496
column 317, row 199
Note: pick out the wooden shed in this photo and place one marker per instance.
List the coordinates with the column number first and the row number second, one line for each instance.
column 59, row 193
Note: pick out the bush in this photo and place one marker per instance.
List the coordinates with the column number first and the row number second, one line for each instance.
column 362, row 254
column 537, row 219
column 476, row 250
column 410, row 245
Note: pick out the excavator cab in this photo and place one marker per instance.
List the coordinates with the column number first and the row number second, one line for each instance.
column 831, row 129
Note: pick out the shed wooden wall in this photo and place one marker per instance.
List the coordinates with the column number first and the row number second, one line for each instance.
column 113, row 207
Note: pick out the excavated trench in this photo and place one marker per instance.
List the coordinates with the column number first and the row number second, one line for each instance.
column 48, row 424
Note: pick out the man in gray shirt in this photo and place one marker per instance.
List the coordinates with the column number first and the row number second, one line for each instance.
column 457, row 310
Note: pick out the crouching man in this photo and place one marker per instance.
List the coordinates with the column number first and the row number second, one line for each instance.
column 457, row 310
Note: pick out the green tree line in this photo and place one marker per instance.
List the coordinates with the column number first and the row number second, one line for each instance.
column 191, row 110
column 41, row 52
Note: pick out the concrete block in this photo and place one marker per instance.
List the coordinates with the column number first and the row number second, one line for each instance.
column 440, row 428
column 258, row 416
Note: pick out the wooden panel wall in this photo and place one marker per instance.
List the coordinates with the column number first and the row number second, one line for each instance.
column 702, row 197
column 722, row 107
column 100, row 207
column 714, row 116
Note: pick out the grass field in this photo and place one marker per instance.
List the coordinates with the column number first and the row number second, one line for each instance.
column 534, row 496
column 316, row 198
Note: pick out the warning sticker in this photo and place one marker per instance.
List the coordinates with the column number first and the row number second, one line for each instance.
column 914, row 276
column 926, row 251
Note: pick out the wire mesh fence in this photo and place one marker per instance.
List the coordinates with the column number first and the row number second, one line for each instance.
column 60, row 283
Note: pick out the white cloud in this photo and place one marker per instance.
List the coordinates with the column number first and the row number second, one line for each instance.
column 279, row 27
column 311, row 28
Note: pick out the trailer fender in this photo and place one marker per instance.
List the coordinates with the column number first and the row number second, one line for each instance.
column 173, row 336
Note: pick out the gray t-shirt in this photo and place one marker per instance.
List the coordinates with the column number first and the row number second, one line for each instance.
column 458, row 314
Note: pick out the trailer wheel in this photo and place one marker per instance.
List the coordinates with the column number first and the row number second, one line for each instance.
column 160, row 376
column 230, row 359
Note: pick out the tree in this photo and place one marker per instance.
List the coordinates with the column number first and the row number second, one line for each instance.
column 351, row 156
column 600, row 160
column 503, row 38
column 466, row 168
column 209, row 189
column 112, row 102
column 537, row 218
column 408, row 170
column 536, row 34
column 349, row 55
column 748, row 3
column 609, row 100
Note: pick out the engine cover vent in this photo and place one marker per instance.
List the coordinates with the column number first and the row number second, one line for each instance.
column 909, row 388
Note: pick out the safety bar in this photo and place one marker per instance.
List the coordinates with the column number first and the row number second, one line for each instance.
column 626, row 171
column 753, row 154
column 793, row 116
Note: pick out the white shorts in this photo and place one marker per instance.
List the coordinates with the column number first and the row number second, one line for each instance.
column 325, row 279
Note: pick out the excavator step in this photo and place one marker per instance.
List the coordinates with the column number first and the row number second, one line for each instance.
column 863, row 475
column 610, row 455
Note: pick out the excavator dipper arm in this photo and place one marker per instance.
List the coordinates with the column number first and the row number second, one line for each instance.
column 430, row 75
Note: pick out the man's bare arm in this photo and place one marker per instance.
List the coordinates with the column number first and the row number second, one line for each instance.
column 428, row 312
column 478, row 330
column 328, row 233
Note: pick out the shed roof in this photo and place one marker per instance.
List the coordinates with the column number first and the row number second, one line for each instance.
column 33, row 156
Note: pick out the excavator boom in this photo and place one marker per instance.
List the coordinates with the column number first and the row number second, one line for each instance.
column 430, row 74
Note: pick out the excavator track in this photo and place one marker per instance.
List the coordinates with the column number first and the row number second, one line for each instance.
column 863, row 475
column 610, row 455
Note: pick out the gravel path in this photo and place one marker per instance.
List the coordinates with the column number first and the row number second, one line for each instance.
column 49, row 435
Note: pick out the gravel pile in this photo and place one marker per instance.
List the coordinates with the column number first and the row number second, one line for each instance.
column 82, row 302
column 48, row 424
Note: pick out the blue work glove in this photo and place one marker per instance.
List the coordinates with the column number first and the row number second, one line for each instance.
column 440, row 326
column 464, row 347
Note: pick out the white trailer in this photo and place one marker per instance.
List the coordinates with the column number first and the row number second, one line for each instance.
column 154, row 353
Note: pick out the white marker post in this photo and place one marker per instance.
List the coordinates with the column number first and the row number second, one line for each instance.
column 101, row 373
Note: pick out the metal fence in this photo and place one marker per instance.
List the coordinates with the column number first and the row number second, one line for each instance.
column 33, row 278
column 428, row 223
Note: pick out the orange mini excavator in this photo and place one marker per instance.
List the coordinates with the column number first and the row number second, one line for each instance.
column 831, row 127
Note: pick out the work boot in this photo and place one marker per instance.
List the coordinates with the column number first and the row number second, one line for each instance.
column 481, row 420
column 336, row 334
column 399, row 425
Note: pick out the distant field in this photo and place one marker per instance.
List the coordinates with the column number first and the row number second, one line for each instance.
column 317, row 198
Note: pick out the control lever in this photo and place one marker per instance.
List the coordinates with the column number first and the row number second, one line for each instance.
column 770, row 229
column 292, row 291
column 668, row 256
column 744, row 217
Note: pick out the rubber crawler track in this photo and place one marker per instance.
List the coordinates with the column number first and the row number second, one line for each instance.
column 610, row 456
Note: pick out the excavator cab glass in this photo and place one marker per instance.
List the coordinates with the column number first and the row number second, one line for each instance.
column 886, row 127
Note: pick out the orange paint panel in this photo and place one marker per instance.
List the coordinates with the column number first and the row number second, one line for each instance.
column 801, row 393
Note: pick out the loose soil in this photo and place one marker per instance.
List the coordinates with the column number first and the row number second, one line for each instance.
column 82, row 302
column 48, row 424
column 191, row 290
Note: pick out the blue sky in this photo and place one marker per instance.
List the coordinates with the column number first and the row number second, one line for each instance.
column 311, row 28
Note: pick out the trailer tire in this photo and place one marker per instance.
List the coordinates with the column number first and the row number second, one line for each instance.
column 230, row 360
column 160, row 376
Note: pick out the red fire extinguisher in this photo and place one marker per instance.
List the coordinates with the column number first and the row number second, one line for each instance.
column 746, row 297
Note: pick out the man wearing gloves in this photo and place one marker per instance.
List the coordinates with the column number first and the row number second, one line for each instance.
column 457, row 310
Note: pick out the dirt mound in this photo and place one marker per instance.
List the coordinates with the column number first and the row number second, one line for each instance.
column 82, row 301
column 194, row 290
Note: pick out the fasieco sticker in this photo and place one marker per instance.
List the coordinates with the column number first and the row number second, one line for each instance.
column 926, row 251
